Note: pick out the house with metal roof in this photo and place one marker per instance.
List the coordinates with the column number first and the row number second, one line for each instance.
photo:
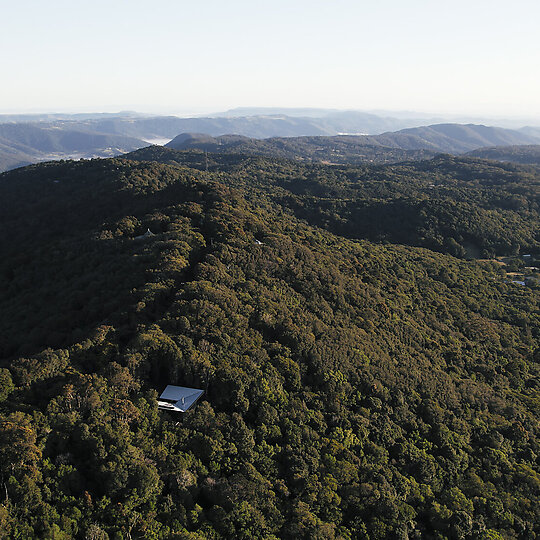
column 178, row 398
column 144, row 236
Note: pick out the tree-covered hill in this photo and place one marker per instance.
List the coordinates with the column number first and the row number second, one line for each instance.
column 14, row 155
column 457, row 138
column 527, row 154
column 462, row 206
column 350, row 149
column 353, row 390
column 407, row 144
column 35, row 138
column 24, row 143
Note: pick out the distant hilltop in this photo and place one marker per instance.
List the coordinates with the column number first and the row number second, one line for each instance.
column 34, row 138
column 407, row 144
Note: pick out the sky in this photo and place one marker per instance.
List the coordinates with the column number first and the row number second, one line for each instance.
column 173, row 56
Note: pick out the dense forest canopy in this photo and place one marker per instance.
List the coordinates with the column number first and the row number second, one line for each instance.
column 527, row 154
column 358, row 384
column 462, row 206
column 351, row 150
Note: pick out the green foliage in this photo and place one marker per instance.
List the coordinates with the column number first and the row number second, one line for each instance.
column 527, row 154
column 353, row 389
column 464, row 207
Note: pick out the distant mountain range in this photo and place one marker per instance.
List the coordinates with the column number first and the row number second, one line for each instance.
column 454, row 138
column 264, row 125
column 22, row 144
column 408, row 144
column 333, row 136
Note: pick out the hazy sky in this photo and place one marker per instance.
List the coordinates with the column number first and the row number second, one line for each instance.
column 474, row 56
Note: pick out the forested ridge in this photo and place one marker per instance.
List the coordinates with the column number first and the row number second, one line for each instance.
column 358, row 384
column 392, row 146
column 527, row 154
column 461, row 206
column 345, row 149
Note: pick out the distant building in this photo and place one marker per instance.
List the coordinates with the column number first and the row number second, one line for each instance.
column 178, row 398
column 147, row 234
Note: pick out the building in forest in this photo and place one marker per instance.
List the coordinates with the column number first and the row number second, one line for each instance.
column 178, row 398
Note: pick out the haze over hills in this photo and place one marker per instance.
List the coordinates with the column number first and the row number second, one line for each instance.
column 13, row 155
column 88, row 135
column 57, row 139
column 408, row 144
column 338, row 121
column 54, row 117
column 407, row 118
column 531, row 130
column 22, row 143
column 456, row 138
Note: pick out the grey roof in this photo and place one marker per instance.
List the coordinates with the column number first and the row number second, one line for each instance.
column 178, row 398
column 147, row 234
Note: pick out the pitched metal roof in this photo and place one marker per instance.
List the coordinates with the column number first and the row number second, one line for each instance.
column 178, row 398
